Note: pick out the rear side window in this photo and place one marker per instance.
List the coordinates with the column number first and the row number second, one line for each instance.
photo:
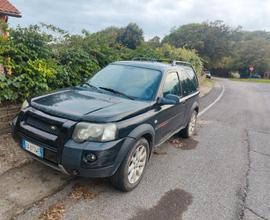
column 191, row 75
column 189, row 84
column 171, row 85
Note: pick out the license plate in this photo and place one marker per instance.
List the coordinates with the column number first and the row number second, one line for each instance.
column 33, row 148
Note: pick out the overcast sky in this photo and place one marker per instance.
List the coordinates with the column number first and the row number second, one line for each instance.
column 156, row 17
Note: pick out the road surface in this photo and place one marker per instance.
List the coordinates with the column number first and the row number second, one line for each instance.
column 223, row 173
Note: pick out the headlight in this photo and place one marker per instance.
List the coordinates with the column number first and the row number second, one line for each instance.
column 94, row 132
column 25, row 104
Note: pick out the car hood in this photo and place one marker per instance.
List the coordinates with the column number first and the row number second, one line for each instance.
column 85, row 105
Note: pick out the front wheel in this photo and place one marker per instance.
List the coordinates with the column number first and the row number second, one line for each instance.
column 130, row 173
column 190, row 129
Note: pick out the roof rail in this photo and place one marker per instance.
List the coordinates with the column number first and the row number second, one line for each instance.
column 178, row 62
column 172, row 62
column 151, row 59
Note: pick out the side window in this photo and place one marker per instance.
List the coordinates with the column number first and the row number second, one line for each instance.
column 188, row 86
column 172, row 85
column 192, row 76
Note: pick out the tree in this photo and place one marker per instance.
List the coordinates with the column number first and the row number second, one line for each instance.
column 154, row 42
column 254, row 52
column 213, row 40
column 191, row 56
column 131, row 36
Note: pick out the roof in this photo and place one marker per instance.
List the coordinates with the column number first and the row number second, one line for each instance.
column 147, row 64
column 6, row 8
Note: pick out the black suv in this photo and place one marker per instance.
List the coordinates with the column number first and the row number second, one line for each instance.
column 108, row 126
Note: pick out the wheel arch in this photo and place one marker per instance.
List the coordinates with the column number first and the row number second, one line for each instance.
column 146, row 131
column 195, row 107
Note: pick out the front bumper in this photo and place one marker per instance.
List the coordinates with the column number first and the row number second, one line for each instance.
column 67, row 156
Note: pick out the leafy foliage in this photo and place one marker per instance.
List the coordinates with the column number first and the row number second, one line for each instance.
column 224, row 49
column 130, row 36
column 254, row 51
column 183, row 54
column 39, row 59
column 211, row 40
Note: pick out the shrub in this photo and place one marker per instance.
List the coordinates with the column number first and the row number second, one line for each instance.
column 37, row 61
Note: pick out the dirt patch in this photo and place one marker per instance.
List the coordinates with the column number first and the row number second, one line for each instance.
column 206, row 86
column 189, row 144
column 11, row 155
column 159, row 151
column 184, row 144
column 171, row 206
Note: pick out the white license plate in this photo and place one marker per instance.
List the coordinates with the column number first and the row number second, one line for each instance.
column 33, row 148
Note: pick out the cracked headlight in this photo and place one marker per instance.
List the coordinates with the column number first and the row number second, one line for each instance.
column 94, row 132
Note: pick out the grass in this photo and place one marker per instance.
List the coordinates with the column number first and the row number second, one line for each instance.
column 252, row 80
column 205, row 86
column 209, row 83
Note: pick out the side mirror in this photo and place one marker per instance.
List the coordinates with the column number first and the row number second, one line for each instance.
column 169, row 99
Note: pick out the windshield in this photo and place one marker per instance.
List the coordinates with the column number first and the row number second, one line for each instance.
column 135, row 82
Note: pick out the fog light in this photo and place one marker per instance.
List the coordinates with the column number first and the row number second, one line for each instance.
column 90, row 157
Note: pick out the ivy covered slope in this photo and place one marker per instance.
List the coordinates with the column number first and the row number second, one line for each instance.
column 40, row 59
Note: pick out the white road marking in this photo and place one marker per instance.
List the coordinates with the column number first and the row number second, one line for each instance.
column 213, row 103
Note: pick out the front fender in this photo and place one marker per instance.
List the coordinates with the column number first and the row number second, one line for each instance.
column 131, row 139
column 142, row 130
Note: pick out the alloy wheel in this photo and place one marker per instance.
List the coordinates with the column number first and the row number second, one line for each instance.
column 137, row 164
column 192, row 124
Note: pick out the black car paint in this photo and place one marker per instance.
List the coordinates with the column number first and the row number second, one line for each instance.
column 80, row 104
column 134, row 119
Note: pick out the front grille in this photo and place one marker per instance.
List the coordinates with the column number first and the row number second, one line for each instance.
column 42, row 125
column 46, row 131
column 50, row 152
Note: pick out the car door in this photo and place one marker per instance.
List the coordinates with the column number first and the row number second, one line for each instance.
column 170, row 117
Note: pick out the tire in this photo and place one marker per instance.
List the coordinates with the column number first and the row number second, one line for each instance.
column 190, row 129
column 122, row 179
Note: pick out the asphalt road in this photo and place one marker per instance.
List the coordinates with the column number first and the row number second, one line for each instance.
column 223, row 173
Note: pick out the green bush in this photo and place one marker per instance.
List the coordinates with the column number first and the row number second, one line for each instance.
column 40, row 59
column 183, row 54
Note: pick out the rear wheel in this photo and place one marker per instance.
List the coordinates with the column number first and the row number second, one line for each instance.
column 190, row 129
column 130, row 173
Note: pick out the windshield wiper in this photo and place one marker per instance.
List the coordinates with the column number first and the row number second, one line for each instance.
column 91, row 86
column 116, row 92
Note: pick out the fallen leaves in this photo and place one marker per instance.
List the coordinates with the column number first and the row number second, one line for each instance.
column 55, row 212
column 176, row 142
column 184, row 144
column 81, row 192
